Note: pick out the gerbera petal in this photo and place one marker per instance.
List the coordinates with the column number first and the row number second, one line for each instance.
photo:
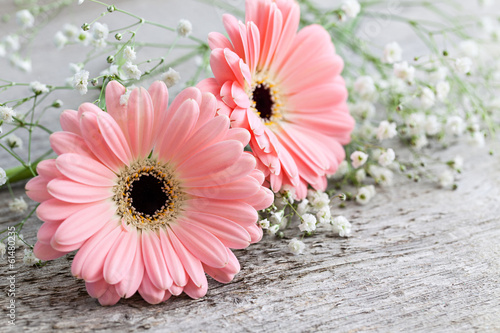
column 191, row 264
column 201, row 243
column 240, row 189
column 117, row 110
column 255, row 233
column 174, row 264
column 85, row 170
column 46, row 252
column 231, row 234
column 195, row 292
column 150, row 293
column 70, row 191
column 263, row 199
column 154, row 262
column 187, row 94
column 140, row 122
column 217, row 40
column 233, row 30
column 236, row 211
column 46, row 232
column 159, row 96
column 67, row 142
column 36, row 189
column 176, row 290
column 120, row 257
column 97, row 289
column 110, row 297
column 227, row 273
column 131, row 282
column 227, row 152
column 208, row 109
column 48, row 169
column 54, row 210
column 239, row 134
column 69, row 121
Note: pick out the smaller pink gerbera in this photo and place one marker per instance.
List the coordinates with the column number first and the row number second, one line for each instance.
column 284, row 87
column 151, row 197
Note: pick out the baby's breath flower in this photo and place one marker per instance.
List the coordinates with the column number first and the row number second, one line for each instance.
column 442, row 90
column 170, row 77
column 324, row 215
column 365, row 194
column 81, row 81
column 415, row 123
column 358, row 158
column 382, row 176
column 387, row 157
column 303, row 207
column 12, row 42
column 18, row 205
column 463, row 65
column 19, row 241
column 477, row 139
column 277, row 218
column 364, row 86
column 308, row 223
column 272, row 230
column 124, row 98
column 469, row 48
column 455, row 125
column 131, row 71
column 22, row 64
column 446, row 178
column 13, row 141
column 360, row 175
column 363, row 110
column 318, row 199
column 129, row 53
column 184, row 28
column 3, row 177
column 7, row 114
column 351, row 8
column 420, row 142
column 70, row 31
column 39, row 88
column 392, row 53
column 60, row 40
column 341, row 170
column 3, row 249
column 432, row 125
column 457, row 163
column 386, row 130
column 404, row 71
column 427, row 98
column 100, row 31
column 3, row 51
column 296, row 246
column 25, row 19
column 29, row 258
column 264, row 224
column 439, row 74
column 341, row 226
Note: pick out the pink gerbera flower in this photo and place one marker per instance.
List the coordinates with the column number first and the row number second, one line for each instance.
column 152, row 197
column 285, row 88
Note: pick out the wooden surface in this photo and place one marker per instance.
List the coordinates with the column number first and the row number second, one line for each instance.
column 420, row 259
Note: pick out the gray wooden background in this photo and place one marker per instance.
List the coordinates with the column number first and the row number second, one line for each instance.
column 420, row 259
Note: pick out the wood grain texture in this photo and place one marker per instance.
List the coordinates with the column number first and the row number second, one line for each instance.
column 420, row 259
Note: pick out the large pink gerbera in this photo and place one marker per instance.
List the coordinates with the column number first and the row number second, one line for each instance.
column 285, row 88
column 152, row 197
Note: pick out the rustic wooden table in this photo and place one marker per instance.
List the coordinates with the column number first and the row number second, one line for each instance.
column 420, row 259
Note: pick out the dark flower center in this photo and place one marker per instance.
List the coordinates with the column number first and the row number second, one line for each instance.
column 148, row 195
column 263, row 101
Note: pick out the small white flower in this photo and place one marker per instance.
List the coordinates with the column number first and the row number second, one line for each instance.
column 100, row 31
column 129, row 53
column 39, row 88
column 415, row 123
column 84, row 37
column 455, row 125
column 3, row 51
column 124, row 98
column 70, row 31
column 363, row 110
column 420, row 142
column 3, row 176
column 439, row 74
column 432, row 125
column 60, row 40
column 264, row 224
column 382, row 176
column 386, row 130
column 446, row 178
column 404, row 71
column 318, row 199
column 81, row 81
column 463, row 65
column 351, row 8
column 365, row 87
column 272, row 230
column 7, row 114
column 25, row 19
column 18, row 205
column 442, row 90
column 19, row 241
column 29, row 258
column 13, row 141
column 469, row 48
column 22, row 64
column 131, row 71
column 358, row 158
column 360, row 175
column 387, row 157
column 75, row 68
column 279, row 201
column 427, row 98
column 3, row 250
column 296, row 246
column 341, row 170
column 184, row 28
column 458, row 163
column 112, row 70
column 12, row 42
column 341, row 226
column 303, row 207
column 80, row 1
column 278, row 218
column 170, row 77
column 365, row 194
column 392, row 53
column 308, row 223
column 324, row 215
column 368, row 131
column 477, row 139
